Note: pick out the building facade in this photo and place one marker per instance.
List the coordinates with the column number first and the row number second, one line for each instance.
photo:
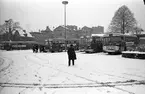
column 98, row 30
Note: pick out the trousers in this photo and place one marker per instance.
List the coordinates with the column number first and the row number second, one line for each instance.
column 69, row 62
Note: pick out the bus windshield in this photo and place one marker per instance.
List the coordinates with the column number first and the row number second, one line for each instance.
column 113, row 39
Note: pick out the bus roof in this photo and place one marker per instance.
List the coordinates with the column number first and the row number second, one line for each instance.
column 18, row 42
column 119, row 34
column 97, row 35
column 141, row 35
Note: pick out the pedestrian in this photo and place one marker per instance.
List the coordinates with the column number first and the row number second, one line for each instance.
column 71, row 55
column 33, row 48
column 40, row 48
column 36, row 48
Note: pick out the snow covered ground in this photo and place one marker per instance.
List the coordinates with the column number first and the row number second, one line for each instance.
column 24, row 72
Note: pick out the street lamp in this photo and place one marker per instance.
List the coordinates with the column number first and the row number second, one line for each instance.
column 65, row 3
column 8, row 28
column 6, row 21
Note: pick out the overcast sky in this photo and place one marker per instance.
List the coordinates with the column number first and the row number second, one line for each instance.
column 37, row 14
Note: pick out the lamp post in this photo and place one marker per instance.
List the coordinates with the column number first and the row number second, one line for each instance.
column 65, row 3
column 8, row 29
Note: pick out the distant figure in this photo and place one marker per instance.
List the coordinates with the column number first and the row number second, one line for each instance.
column 35, row 48
column 71, row 55
column 42, row 48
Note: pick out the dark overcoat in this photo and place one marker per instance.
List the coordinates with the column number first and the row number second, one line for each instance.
column 71, row 53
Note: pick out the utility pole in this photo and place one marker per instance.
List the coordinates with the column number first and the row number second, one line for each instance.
column 65, row 3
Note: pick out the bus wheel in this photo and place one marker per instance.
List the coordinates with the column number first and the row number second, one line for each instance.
column 110, row 53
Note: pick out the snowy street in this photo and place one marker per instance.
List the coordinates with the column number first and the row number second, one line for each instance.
column 25, row 72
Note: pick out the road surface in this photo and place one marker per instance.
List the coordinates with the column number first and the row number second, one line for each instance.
column 24, row 72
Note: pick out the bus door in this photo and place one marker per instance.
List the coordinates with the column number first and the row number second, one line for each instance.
column 131, row 43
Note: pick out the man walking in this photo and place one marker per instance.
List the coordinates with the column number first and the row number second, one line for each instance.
column 71, row 55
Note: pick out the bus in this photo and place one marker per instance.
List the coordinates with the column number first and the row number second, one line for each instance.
column 95, row 44
column 17, row 45
column 116, row 43
column 58, row 44
column 141, row 42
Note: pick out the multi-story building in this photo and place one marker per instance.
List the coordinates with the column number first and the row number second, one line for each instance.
column 71, row 32
column 86, row 34
column 98, row 30
column 42, row 36
column 47, row 30
column 86, row 31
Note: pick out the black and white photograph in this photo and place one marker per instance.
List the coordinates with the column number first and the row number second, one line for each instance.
column 72, row 46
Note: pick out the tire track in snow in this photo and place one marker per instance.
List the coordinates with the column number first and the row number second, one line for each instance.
column 110, row 74
column 30, row 58
column 57, row 69
column 33, row 63
column 86, row 72
column 94, row 71
column 9, row 63
column 79, row 86
column 67, row 72
column 3, row 68
column 52, row 66
column 134, row 75
column 1, row 61
column 105, row 84
column 93, row 80
column 118, row 75
column 124, row 90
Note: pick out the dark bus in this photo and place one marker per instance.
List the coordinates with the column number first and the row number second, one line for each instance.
column 141, row 43
column 95, row 44
column 58, row 44
column 17, row 45
column 116, row 43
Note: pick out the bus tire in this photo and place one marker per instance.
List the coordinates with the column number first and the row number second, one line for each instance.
column 110, row 53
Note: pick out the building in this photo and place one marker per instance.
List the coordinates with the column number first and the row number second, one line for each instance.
column 11, row 30
column 43, row 35
column 47, row 30
column 86, row 31
column 59, row 32
column 71, row 32
column 98, row 30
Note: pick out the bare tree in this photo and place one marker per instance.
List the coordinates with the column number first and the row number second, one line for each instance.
column 8, row 28
column 123, row 21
